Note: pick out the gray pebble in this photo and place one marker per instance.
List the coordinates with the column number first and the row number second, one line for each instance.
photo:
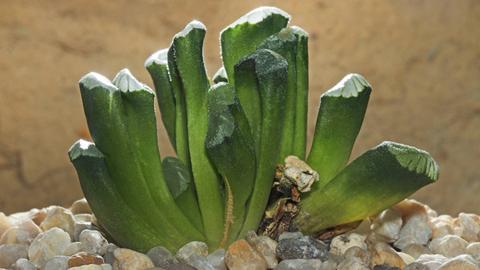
column 161, row 257
column 416, row 230
column 10, row 253
column 302, row 248
column 180, row 266
column 288, row 235
column 109, row 258
column 93, row 242
column 57, row 263
column 217, row 259
column 194, row 247
column 24, row 264
column 385, row 267
column 199, row 262
column 304, row 264
column 416, row 266
column 352, row 264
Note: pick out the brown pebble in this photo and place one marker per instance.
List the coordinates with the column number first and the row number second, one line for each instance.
column 38, row 215
column 80, row 207
column 83, row 258
column 241, row 256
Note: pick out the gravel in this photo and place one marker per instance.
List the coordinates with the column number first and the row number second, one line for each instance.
column 410, row 237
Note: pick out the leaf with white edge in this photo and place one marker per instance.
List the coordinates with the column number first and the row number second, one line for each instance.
column 244, row 35
column 378, row 179
column 126, row 225
column 125, row 82
column 262, row 91
column 285, row 44
column 339, row 119
column 122, row 124
column 231, row 149
column 188, row 61
column 157, row 66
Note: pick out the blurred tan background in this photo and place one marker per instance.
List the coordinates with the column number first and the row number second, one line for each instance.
column 422, row 58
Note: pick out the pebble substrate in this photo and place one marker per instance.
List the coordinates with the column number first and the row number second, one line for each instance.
column 408, row 236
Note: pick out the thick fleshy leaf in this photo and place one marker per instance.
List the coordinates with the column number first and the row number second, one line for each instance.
column 181, row 132
column 188, row 57
column 301, row 114
column 121, row 121
column 177, row 176
column 376, row 180
column 339, row 120
column 157, row 66
column 262, row 91
column 127, row 226
column 180, row 184
column 231, row 149
column 244, row 35
column 285, row 43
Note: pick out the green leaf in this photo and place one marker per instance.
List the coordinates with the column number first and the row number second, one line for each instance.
column 126, row 225
column 339, row 120
column 187, row 49
column 285, row 44
column 177, row 176
column 122, row 124
column 262, row 91
column 301, row 114
column 231, row 149
column 220, row 76
column 244, row 35
column 376, row 180
column 180, row 184
column 181, row 131
column 157, row 66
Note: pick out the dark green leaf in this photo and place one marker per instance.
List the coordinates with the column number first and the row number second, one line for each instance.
column 230, row 147
column 157, row 66
column 339, row 120
column 188, row 56
column 261, row 91
column 376, row 180
column 244, row 35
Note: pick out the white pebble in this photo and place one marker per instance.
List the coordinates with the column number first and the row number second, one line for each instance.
column 464, row 262
column 93, row 242
column 47, row 245
column 416, row 230
column 59, row 217
column 449, row 245
column 341, row 243
column 126, row 259
column 388, row 225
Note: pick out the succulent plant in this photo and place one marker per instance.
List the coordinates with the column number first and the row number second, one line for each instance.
column 229, row 133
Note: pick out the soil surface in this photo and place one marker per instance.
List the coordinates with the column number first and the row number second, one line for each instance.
column 422, row 58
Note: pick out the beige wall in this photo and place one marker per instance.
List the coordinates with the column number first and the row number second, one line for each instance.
column 422, row 58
